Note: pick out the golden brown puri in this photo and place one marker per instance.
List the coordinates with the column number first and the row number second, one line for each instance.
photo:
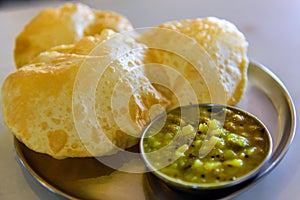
column 38, row 99
column 225, row 45
column 37, row 102
column 62, row 26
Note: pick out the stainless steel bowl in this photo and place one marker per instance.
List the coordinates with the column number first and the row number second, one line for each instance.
column 190, row 111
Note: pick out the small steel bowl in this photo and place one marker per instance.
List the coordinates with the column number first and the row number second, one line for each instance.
column 190, row 113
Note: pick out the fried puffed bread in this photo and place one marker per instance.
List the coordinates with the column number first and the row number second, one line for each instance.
column 64, row 25
column 222, row 56
column 41, row 109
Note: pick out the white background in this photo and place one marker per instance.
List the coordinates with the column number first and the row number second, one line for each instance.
column 271, row 27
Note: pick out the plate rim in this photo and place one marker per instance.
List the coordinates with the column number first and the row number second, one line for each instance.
column 35, row 175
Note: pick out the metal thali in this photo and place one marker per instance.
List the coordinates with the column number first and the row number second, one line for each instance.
column 86, row 178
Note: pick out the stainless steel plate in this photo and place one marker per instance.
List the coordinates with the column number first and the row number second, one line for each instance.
column 87, row 178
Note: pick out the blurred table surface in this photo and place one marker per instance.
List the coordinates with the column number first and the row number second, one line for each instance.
column 272, row 28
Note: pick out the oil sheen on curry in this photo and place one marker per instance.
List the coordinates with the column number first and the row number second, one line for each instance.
column 219, row 145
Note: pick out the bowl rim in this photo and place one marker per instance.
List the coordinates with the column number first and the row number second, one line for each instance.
column 185, row 185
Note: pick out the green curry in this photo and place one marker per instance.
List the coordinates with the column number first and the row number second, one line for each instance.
column 220, row 145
